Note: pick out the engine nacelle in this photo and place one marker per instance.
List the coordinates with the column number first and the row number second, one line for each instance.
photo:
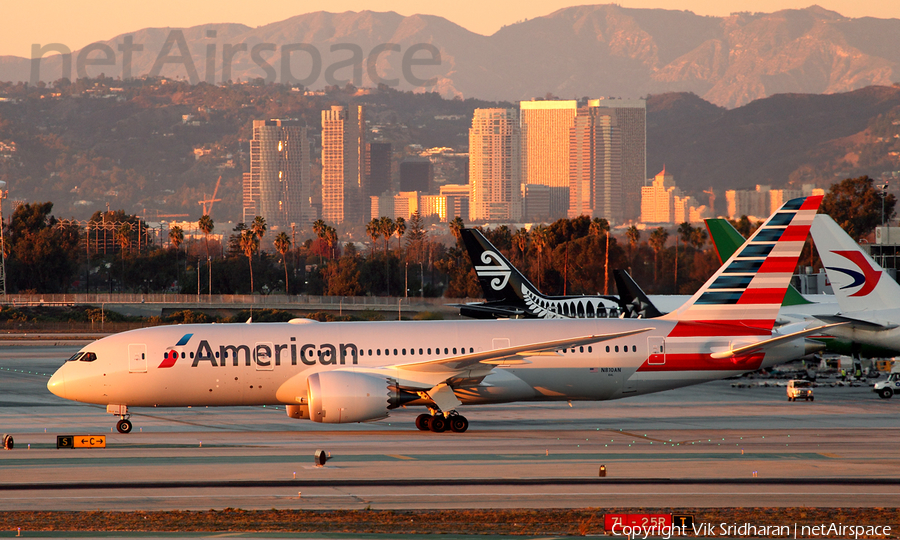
column 339, row 397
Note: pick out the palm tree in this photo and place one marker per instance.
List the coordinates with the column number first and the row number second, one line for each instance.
column 282, row 246
column 634, row 236
column 388, row 228
column 123, row 237
column 206, row 225
column 400, row 225
column 258, row 227
column 455, row 226
column 684, row 233
column 249, row 244
column 520, row 240
column 319, row 228
column 176, row 236
column 658, row 239
column 539, row 240
column 601, row 226
column 331, row 238
column 373, row 231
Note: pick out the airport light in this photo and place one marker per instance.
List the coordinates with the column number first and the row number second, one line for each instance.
column 3, row 194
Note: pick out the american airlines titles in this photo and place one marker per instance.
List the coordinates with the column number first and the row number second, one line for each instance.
column 265, row 354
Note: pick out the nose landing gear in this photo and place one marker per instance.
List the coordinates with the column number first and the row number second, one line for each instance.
column 124, row 424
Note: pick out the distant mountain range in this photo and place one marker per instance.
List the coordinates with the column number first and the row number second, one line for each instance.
column 601, row 50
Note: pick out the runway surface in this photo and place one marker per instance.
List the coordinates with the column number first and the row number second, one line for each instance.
column 710, row 445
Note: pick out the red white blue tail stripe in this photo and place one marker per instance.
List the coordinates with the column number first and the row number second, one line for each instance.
column 748, row 289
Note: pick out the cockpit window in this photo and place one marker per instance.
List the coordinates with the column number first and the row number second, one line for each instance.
column 75, row 357
column 88, row 357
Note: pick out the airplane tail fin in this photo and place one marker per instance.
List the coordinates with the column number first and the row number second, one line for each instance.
column 859, row 283
column 633, row 301
column 747, row 291
column 499, row 279
column 726, row 239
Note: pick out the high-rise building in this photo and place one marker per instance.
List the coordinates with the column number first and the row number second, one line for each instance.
column 278, row 185
column 631, row 118
column 495, row 164
column 545, row 130
column 658, row 199
column 251, row 198
column 458, row 196
column 343, row 164
column 595, row 164
column 416, row 175
column 378, row 168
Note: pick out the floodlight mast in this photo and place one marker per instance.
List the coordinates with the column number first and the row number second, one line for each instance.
column 3, row 193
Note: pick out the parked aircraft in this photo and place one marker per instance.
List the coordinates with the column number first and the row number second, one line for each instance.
column 869, row 299
column 509, row 294
column 360, row 371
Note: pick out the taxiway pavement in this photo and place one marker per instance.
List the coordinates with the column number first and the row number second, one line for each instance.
column 711, row 445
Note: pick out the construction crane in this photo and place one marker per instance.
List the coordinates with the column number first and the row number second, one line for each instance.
column 208, row 209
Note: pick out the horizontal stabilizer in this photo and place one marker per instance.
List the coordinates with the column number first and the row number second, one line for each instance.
column 852, row 322
column 463, row 361
column 768, row 343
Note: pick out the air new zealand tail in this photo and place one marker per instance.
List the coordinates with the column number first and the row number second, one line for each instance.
column 509, row 294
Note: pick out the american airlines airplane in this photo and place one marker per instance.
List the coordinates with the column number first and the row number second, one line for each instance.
column 360, row 371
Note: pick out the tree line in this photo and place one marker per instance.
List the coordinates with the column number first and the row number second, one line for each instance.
column 113, row 252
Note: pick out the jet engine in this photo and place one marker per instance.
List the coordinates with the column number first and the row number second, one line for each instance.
column 339, row 397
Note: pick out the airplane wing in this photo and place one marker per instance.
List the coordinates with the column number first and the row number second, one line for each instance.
column 511, row 354
column 767, row 343
column 852, row 322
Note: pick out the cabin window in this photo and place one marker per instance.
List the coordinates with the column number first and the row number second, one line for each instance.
column 378, row 352
column 429, row 350
column 634, row 348
column 607, row 348
column 192, row 355
column 395, row 352
column 370, row 352
column 454, row 350
column 617, row 348
column 182, row 354
column 590, row 349
column 420, row 351
column 217, row 354
column 580, row 349
column 446, row 351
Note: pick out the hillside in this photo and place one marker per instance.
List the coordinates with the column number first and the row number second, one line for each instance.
column 598, row 50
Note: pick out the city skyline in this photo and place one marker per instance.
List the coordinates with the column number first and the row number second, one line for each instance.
column 77, row 25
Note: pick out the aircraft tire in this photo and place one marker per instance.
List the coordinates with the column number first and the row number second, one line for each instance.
column 458, row 424
column 124, row 426
column 8, row 443
column 423, row 421
column 438, row 424
column 886, row 393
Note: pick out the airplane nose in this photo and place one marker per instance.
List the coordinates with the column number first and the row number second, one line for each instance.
column 57, row 384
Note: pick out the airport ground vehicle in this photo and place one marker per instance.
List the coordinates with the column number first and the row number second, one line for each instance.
column 889, row 387
column 800, row 389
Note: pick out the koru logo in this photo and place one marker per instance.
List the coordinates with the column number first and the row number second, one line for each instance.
column 496, row 268
column 868, row 278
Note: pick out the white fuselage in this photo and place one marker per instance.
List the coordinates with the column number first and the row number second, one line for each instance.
column 269, row 363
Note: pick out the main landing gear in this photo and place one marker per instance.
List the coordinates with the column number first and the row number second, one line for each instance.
column 438, row 423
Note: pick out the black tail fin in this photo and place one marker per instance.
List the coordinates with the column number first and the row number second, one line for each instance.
column 633, row 301
column 500, row 280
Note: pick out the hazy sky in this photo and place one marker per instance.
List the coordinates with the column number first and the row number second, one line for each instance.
column 78, row 23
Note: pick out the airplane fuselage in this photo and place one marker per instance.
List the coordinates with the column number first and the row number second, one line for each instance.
column 269, row 363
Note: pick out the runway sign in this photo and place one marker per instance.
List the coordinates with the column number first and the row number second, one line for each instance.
column 81, row 441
